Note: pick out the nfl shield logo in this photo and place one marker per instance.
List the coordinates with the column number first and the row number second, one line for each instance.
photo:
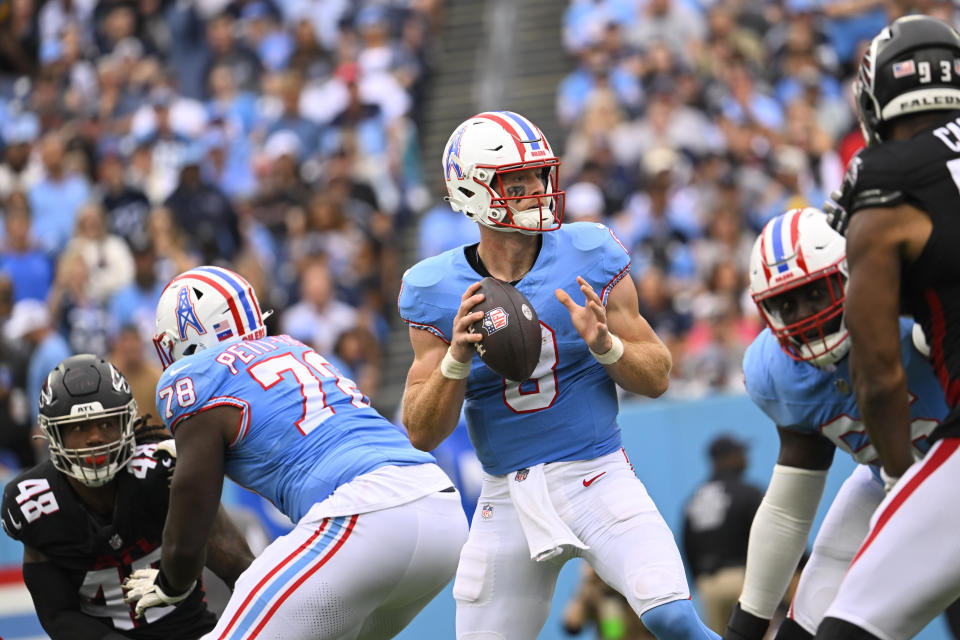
column 495, row 319
column 521, row 475
column 486, row 511
column 115, row 542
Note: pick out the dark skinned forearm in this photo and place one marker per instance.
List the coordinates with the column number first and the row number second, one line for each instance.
column 228, row 554
column 873, row 317
column 194, row 501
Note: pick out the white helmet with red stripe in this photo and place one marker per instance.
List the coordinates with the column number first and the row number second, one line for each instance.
column 485, row 148
column 796, row 249
column 205, row 307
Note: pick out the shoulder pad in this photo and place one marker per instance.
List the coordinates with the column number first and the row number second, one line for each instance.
column 873, row 179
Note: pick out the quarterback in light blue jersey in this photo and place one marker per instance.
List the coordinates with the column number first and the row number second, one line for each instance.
column 797, row 371
column 378, row 524
column 556, row 483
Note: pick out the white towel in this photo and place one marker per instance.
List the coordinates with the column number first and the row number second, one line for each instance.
column 547, row 535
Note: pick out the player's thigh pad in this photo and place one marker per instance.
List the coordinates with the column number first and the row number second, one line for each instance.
column 841, row 534
column 327, row 578
column 501, row 593
column 908, row 569
column 631, row 547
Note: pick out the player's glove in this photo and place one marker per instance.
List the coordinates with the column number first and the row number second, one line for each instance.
column 744, row 626
column 889, row 481
column 166, row 455
column 836, row 212
column 148, row 588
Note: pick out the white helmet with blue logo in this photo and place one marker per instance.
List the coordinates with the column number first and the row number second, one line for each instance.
column 205, row 307
column 795, row 249
column 484, row 149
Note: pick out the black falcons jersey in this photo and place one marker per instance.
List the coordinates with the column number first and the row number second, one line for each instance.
column 96, row 554
column 924, row 172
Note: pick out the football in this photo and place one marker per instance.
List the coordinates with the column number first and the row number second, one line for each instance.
column 510, row 329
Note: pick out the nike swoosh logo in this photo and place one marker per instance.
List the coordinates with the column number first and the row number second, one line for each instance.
column 177, row 369
column 13, row 521
column 589, row 482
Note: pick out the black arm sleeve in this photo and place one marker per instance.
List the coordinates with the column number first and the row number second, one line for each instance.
column 58, row 605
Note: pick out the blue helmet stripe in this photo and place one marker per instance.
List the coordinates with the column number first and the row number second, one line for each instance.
column 777, row 238
column 520, row 122
column 241, row 293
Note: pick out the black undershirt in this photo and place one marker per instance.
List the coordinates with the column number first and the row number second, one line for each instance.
column 472, row 253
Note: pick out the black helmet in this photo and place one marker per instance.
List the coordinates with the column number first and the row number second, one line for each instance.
column 913, row 65
column 81, row 388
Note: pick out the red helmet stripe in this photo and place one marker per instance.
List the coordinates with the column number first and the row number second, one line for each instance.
column 509, row 129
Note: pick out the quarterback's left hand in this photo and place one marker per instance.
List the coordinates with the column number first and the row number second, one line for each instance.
column 142, row 587
column 590, row 320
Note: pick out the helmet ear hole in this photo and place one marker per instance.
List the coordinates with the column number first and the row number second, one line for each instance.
column 466, row 192
column 197, row 293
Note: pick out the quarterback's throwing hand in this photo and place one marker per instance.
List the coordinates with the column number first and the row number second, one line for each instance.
column 590, row 320
column 142, row 587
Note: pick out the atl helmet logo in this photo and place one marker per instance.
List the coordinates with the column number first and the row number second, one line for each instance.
column 186, row 314
column 495, row 319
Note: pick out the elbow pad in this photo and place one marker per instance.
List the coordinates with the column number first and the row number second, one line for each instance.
column 779, row 535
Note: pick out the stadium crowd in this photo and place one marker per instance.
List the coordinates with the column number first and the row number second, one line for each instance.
column 143, row 137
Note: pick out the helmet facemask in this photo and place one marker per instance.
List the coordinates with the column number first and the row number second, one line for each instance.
column 820, row 338
column 92, row 466
column 537, row 219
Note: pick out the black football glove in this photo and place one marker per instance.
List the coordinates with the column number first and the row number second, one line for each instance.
column 836, row 212
column 744, row 626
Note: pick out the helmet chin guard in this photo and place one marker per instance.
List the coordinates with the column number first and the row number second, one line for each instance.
column 484, row 149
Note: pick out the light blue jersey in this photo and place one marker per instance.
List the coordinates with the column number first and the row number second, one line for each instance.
column 798, row 395
column 568, row 409
column 305, row 430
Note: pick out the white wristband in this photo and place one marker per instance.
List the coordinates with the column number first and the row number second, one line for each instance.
column 889, row 481
column 611, row 356
column 452, row 368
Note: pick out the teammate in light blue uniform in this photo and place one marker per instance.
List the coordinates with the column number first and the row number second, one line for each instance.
column 815, row 401
column 556, row 482
column 797, row 371
column 282, row 421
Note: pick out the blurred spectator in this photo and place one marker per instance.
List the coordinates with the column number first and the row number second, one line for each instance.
column 136, row 303
column 357, row 349
column 669, row 22
column 793, row 187
column 79, row 318
column 441, row 228
column 55, row 199
column 226, row 49
column 107, row 257
column 595, row 604
column 584, row 203
column 129, row 357
column 29, row 322
column 14, row 413
column 18, row 172
column 126, row 206
column 19, row 36
column 21, row 259
column 318, row 318
column 205, row 214
column 716, row 529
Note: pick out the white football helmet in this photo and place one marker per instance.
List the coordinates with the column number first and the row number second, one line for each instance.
column 794, row 249
column 205, row 307
column 481, row 151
